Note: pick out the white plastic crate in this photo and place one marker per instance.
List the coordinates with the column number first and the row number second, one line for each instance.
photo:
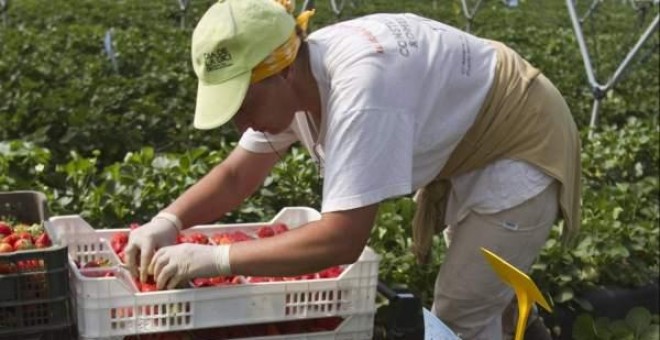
column 354, row 327
column 111, row 306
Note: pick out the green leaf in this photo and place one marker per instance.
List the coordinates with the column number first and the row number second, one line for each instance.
column 639, row 319
column 651, row 333
column 583, row 328
column 621, row 330
column 584, row 303
column 602, row 327
column 565, row 294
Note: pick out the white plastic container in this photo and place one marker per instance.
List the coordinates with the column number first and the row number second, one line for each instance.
column 112, row 307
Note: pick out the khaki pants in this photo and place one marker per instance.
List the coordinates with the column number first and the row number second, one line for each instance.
column 469, row 297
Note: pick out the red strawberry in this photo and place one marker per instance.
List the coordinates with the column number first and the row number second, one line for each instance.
column 257, row 279
column 5, row 229
column 149, row 287
column 197, row 237
column 23, row 244
column 279, row 228
column 11, row 239
column 121, row 238
column 239, row 236
column 43, row 241
column 221, row 238
column 201, row 282
column 330, row 273
column 218, row 281
column 264, row 232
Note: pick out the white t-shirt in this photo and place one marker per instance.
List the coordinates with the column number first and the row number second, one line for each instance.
column 398, row 92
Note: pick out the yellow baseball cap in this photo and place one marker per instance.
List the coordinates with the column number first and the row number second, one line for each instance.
column 230, row 39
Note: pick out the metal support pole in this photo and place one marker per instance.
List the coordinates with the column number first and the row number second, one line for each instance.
column 645, row 36
column 594, row 117
column 469, row 15
column 598, row 90
column 4, row 7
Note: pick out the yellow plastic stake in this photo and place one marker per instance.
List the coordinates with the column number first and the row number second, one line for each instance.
column 526, row 291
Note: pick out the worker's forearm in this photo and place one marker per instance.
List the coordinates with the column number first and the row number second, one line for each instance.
column 303, row 250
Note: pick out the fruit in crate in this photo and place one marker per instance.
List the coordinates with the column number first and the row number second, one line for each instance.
column 97, row 273
column 97, row 263
column 195, row 237
column 216, row 281
column 230, row 237
column 5, row 229
column 266, row 231
column 21, row 236
column 149, row 286
column 279, row 228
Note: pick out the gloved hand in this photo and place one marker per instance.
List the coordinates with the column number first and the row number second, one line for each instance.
column 182, row 262
column 145, row 240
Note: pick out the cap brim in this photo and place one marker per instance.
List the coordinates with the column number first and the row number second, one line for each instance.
column 217, row 104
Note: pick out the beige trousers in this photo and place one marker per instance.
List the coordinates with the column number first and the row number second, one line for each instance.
column 469, row 297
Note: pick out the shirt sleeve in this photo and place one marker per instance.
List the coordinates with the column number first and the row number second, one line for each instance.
column 264, row 142
column 368, row 158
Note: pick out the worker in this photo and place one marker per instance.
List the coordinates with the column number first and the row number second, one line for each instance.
column 388, row 105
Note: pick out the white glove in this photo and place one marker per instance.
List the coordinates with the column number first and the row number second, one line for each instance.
column 182, row 262
column 146, row 239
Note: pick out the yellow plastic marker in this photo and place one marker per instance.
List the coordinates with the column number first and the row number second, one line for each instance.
column 526, row 291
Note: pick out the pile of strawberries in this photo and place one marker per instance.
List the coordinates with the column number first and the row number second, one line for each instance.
column 119, row 240
column 20, row 236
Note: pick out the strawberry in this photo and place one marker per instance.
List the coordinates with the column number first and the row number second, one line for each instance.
column 11, row 239
column 279, row 228
column 221, row 238
column 23, row 244
column 218, row 281
column 121, row 238
column 5, row 229
column 330, row 273
column 199, row 238
column 201, row 282
column 264, row 232
column 148, row 287
column 119, row 241
column 239, row 236
column 43, row 241
column 257, row 279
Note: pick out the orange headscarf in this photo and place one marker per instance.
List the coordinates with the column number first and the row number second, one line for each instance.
column 286, row 53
